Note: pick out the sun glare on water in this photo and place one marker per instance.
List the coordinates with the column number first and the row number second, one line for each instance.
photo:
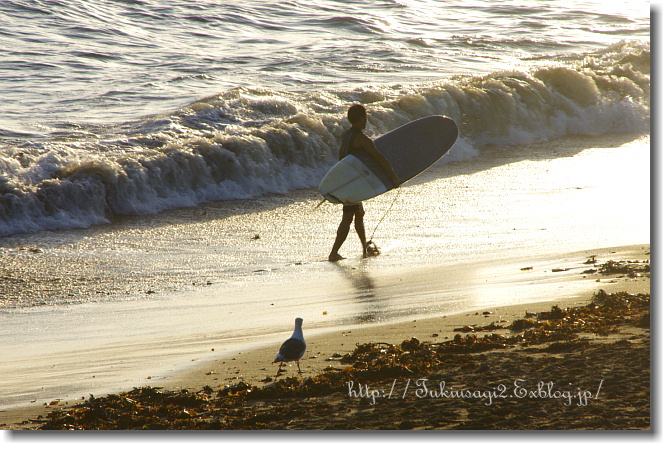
column 633, row 8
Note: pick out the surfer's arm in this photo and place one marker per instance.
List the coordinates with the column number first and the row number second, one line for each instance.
column 368, row 145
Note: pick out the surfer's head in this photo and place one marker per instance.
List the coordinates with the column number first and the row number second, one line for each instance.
column 357, row 115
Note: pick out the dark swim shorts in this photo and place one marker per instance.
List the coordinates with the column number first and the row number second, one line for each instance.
column 353, row 208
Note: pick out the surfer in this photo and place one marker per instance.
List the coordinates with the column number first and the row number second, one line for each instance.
column 354, row 140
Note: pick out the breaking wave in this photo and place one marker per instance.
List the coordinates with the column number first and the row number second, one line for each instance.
column 248, row 142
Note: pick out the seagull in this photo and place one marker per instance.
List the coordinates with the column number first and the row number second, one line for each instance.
column 292, row 349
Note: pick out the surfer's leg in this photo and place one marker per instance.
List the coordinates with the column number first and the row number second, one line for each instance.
column 342, row 233
column 360, row 228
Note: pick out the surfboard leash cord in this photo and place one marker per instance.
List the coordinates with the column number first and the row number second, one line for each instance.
column 397, row 195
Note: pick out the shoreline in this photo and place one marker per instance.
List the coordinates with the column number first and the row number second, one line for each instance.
column 254, row 367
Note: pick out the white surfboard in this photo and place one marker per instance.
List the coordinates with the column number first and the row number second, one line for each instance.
column 410, row 150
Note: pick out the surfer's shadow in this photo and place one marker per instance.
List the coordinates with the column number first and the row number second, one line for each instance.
column 366, row 291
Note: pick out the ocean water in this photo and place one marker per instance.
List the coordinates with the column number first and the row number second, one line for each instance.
column 135, row 107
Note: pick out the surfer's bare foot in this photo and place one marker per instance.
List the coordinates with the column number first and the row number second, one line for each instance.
column 370, row 250
column 335, row 257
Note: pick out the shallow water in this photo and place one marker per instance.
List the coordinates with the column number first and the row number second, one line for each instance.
column 551, row 193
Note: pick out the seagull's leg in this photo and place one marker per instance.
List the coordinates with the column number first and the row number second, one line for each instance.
column 277, row 373
column 299, row 370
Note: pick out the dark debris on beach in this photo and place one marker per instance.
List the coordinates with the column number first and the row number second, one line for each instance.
column 571, row 350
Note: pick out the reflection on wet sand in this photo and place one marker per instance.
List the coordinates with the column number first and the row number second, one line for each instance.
column 366, row 292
